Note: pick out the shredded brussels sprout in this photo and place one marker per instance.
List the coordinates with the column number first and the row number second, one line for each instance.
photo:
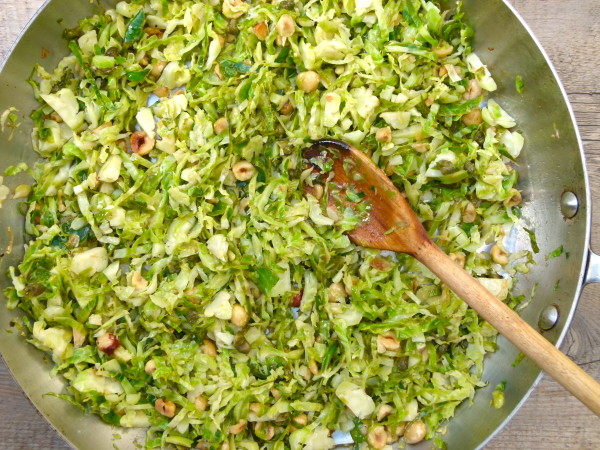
column 182, row 281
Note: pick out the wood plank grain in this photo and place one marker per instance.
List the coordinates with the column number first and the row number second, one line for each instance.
column 569, row 30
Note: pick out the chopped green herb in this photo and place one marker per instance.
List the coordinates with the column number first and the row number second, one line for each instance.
column 556, row 253
column 532, row 238
column 135, row 29
column 231, row 68
column 519, row 84
column 266, row 280
column 137, row 75
column 518, row 359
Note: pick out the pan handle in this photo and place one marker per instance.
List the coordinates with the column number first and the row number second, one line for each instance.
column 592, row 273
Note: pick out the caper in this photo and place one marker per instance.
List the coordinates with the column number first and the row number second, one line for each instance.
column 72, row 33
column 287, row 4
column 479, row 137
column 241, row 344
column 113, row 51
column 470, row 166
column 446, row 167
column 33, row 290
column 232, row 27
column 403, row 363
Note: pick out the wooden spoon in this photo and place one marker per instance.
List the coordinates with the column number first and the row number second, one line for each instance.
column 393, row 225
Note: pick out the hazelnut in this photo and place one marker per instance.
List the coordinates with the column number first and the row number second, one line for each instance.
column 377, row 437
column 415, row 432
column 443, row 49
column 301, row 419
column 387, row 342
column 150, row 367
column 285, row 26
column 473, row 90
column 238, row 427
column 221, row 125
column 138, row 282
column 515, row 199
column 469, row 214
column 201, row 403
column 209, row 348
column 107, row 343
column 308, row 81
column 384, row 135
column 384, row 411
column 243, row 170
column 157, row 69
column 499, row 256
column 287, row 109
column 473, row 117
column 162, row 91
column 239, row 316
column 336, row 292
column 165, row 407
column 141, row 143
column 261, row 30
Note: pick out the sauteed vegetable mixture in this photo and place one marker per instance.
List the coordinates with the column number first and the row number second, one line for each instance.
column 176, row 272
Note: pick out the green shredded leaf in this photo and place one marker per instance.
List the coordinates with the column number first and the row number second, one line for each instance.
column 519, row 84
column 138, row 75
column 14, row 170
column 556, row 253
column 518, row 359
column 135, row 28
column 532, row 238
column 266, row 280
column 231, row 68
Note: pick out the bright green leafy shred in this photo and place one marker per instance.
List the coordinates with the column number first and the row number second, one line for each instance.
column 556, row 252
column 533, row 239
column 519, row 84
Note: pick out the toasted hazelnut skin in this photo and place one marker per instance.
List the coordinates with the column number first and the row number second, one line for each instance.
column 107, row 343
column 297, row 299
column 141, row 143
column 261, row 30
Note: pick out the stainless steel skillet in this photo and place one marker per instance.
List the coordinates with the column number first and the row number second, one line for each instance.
column 551, row 165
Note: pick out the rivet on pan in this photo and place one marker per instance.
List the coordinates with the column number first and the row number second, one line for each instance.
column 569, row 204
column 548, row 318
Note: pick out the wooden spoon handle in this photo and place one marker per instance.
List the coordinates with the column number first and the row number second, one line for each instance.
column 511, row 326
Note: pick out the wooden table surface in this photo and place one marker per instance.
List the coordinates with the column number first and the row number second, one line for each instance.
column 570, row 32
